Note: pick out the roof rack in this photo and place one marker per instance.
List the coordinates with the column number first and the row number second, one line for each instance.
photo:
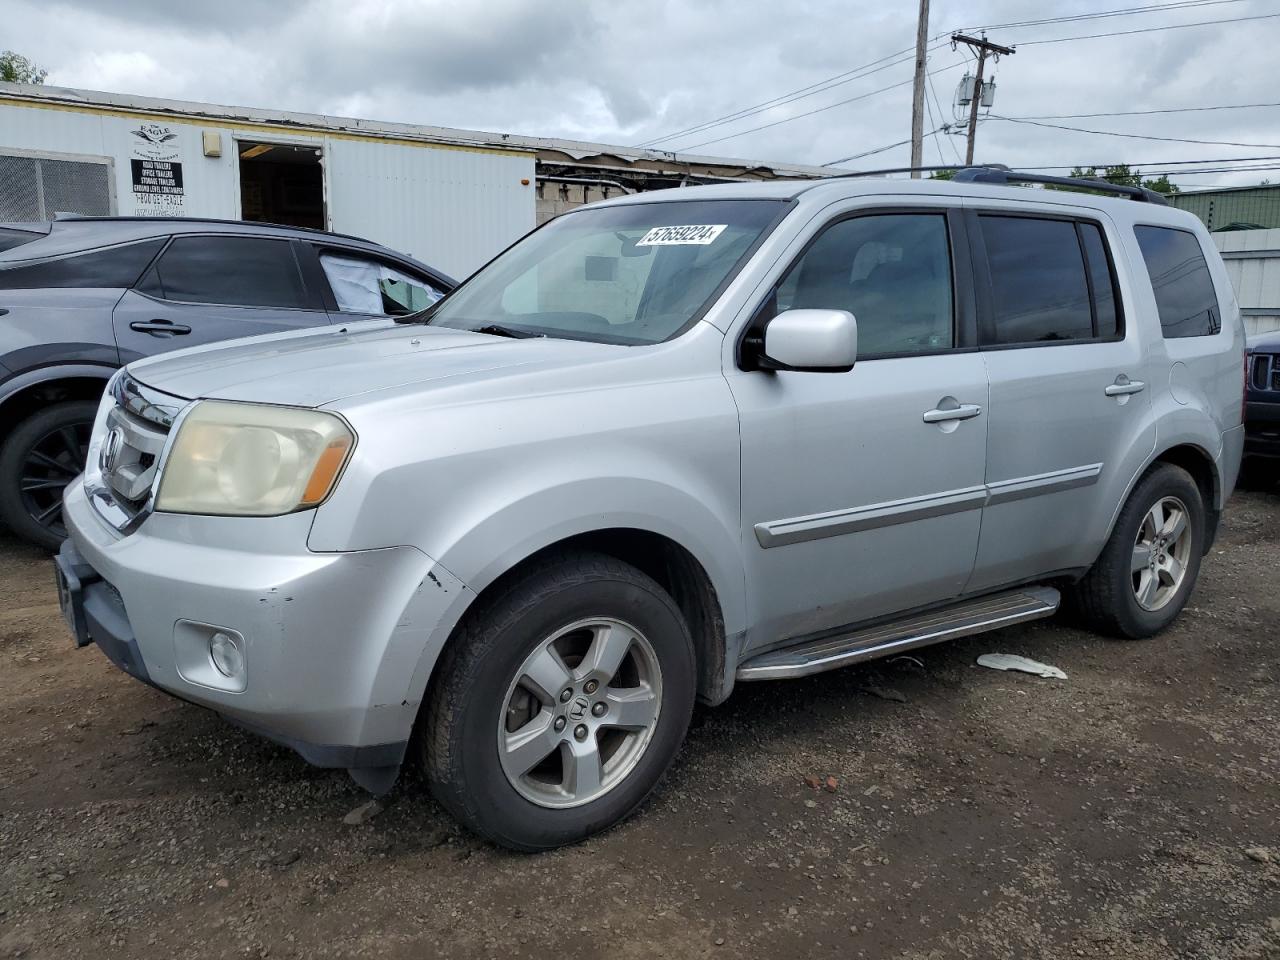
column 1002, row 175
column 996, row 173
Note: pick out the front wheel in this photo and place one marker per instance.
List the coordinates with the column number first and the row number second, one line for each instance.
column 560, row 703
column 1148, row 568
column 42, row 455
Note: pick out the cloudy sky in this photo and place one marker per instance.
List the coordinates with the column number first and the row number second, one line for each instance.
column 629, row 73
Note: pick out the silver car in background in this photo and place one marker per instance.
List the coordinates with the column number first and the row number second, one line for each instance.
column 663, row 444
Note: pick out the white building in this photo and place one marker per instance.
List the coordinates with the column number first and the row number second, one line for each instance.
column 451, row 198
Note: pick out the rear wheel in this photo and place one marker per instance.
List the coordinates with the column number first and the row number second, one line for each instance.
column 560, row 704
column 1149, row 567
column 39, row 458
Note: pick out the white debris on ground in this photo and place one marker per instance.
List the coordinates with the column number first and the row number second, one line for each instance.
column 1011, row 661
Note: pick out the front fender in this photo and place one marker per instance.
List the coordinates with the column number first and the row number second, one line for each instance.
column 481, row 486
column 517, row 534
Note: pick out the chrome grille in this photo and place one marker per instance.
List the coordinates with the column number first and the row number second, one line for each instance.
column 1264, row 371
column 121, row 481
column 129, row 455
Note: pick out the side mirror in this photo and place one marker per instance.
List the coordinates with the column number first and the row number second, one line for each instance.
column 818, row 341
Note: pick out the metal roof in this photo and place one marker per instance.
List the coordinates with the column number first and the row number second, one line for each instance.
column 1253, row 186
column 475, row 139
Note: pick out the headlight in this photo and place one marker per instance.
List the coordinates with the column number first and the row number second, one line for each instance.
column 246, row 459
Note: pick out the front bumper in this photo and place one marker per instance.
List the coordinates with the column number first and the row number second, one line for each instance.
column 1262, row 428
column 330, row 640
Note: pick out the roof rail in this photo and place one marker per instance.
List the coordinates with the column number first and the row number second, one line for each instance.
column 1003, row 176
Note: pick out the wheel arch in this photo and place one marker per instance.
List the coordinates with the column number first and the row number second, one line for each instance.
column 675, row 566
column 1194, row 458
column 30, row 392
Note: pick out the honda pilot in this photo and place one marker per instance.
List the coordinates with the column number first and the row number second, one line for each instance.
column 665, row 444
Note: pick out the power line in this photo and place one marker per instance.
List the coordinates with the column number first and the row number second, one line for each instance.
column 937, row 125
column 1169, row 26
column 869, row 153
column 839, row 79
column 1165, row 163
column 902, row 56
column 938, row 104
column 809, row 113
column 1144, row 113
column 1136, row 136
column 798, row 116
column 1102, row 14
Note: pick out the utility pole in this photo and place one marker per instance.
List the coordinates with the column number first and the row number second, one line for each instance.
column 984, row 48
column 917, row 91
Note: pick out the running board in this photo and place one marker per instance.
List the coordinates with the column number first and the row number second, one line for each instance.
column 960, row 620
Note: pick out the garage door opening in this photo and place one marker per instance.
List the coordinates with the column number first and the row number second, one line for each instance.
column 281, row 183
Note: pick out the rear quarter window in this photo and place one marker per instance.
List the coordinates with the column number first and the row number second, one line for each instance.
column 10, row 238
column 1184, row 291
column 111, row 267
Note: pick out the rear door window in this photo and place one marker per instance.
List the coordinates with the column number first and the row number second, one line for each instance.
column 1185, row 296
column 1039, row 287
column 365, row 285
column 242, row 271
column 110, row 267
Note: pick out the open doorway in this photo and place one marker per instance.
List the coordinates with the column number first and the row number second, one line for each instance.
column 281, row 183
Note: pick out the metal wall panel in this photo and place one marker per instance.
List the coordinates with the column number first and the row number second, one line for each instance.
column 1252, row 258
column 451, row 208
column 1221, row 208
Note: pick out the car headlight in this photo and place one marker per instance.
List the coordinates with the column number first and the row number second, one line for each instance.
column 247, row 459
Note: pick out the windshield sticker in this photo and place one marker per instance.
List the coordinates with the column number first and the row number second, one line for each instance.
column 695, row 234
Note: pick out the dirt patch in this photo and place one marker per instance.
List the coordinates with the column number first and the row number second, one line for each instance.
column 977, row 814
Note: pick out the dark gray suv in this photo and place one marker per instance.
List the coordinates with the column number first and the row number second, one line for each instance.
column 80, row 297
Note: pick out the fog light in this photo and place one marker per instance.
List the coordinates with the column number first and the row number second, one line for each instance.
column 226, row 656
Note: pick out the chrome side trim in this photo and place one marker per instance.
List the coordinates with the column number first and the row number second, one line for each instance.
column 1020, row 488
column 959, row 620
column 777, row 533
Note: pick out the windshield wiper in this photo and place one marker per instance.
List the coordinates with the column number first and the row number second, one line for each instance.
column 498, row 330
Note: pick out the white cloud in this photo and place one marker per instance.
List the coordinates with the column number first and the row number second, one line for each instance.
column 626, row 72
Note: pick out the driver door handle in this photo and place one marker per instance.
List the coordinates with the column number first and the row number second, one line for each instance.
column 965, row 411
column 160, row 327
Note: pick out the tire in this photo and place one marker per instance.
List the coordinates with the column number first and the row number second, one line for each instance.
column 39, row 458
column 1107, row 598
column 483, row 698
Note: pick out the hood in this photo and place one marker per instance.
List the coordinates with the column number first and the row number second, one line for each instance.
column 1265, row 342
column 321, row 366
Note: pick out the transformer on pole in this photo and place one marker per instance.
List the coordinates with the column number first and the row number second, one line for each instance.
column 974, row 92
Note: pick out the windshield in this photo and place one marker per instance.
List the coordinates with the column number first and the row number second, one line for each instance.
column 632, row 274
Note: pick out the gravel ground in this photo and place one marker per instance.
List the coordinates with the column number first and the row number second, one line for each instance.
column 1132, row 811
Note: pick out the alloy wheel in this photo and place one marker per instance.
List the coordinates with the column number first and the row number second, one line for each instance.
column 1161, row 553
column 50, row 464
column 580, row 713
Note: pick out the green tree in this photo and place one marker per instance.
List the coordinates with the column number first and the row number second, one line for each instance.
column 1161, row 184
column 943, row 175
column 15, row 68
column 1122, row 175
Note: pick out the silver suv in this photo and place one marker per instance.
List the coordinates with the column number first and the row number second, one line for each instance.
column 661, row 445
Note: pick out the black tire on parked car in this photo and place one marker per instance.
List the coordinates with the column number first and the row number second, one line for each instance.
column 560, row 703
column 1146, row 572
column 39, row 458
